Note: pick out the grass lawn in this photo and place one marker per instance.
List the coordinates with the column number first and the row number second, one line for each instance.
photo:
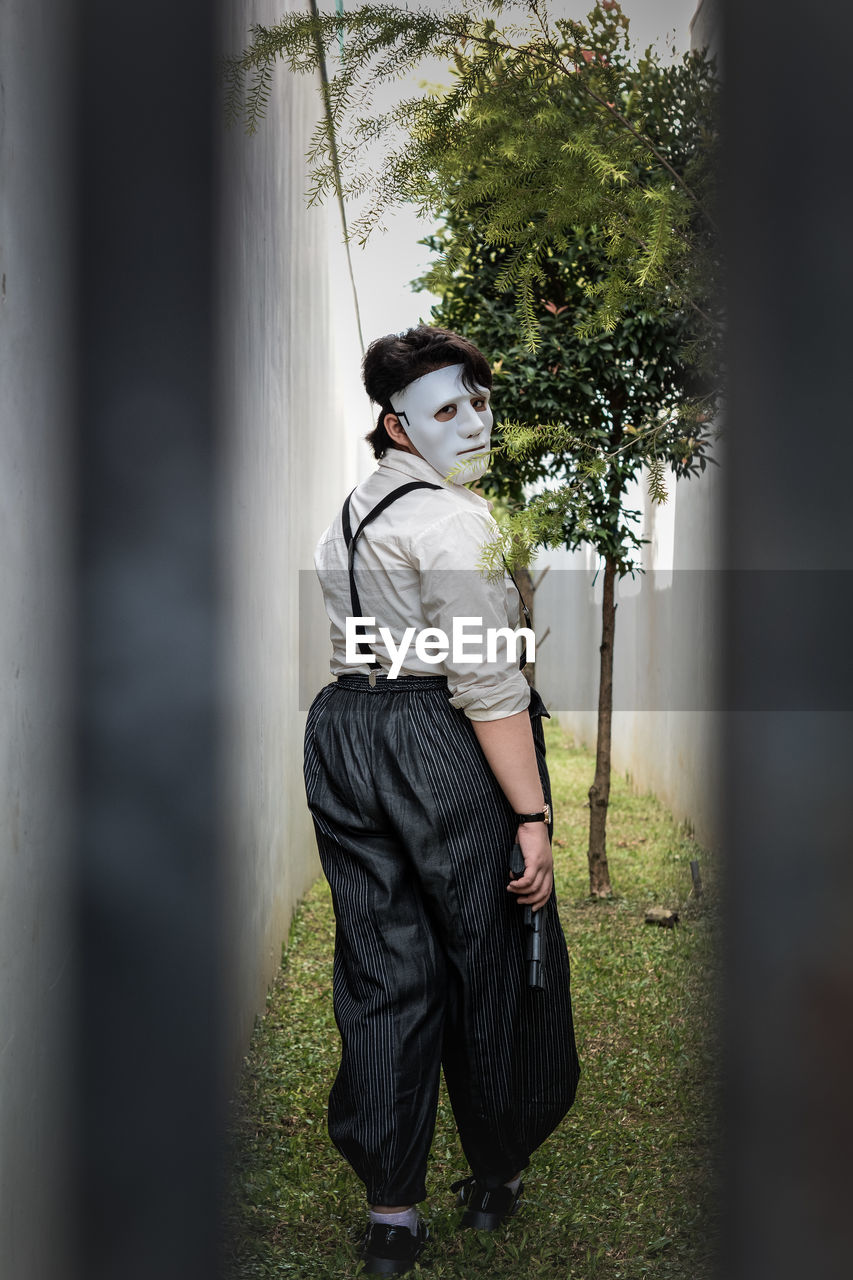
column 623, row 1189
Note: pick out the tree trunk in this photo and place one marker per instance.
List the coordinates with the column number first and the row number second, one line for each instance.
column 599, row 792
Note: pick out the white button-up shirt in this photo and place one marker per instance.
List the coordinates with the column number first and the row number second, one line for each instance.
column 418, row 565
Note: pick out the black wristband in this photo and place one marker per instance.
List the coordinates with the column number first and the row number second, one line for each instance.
column 543, row 816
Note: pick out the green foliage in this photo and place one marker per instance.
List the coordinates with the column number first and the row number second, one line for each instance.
column 585, row 411
column 547, row 126
column 623, row 1190
column 575, row 183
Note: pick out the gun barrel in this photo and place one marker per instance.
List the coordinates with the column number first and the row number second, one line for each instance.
column 533, row 935
column 535, row 977
column 534, row 940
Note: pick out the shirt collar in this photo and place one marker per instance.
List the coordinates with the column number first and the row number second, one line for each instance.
column 417, row 468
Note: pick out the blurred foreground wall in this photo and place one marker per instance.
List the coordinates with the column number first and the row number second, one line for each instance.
column 36, row 396
column 105, row 535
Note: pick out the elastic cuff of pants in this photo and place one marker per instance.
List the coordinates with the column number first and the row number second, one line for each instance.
column 408, row 1195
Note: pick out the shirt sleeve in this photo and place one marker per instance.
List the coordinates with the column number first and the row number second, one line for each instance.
column 458, row 599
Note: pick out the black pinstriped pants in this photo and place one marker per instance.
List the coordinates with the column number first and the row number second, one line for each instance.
column 414, row 836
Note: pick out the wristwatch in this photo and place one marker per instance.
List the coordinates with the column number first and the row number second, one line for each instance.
column 544, row 816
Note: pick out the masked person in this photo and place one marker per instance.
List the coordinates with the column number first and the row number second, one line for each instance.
column 422, row 767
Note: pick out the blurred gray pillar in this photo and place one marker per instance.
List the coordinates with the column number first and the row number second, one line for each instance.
column 149, row 1061
column 788, row 1010
column 36, row 396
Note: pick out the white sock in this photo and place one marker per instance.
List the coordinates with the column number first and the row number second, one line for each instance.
column 406, row 1218
column 514, row 1185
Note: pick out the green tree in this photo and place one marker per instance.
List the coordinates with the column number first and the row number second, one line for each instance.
column 586, row 412
column 548, row 126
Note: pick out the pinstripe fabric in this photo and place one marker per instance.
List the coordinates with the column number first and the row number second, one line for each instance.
column 414, row 836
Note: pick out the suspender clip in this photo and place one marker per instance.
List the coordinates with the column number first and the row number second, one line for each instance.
column 371, row 679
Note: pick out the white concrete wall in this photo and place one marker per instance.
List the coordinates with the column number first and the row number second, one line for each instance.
column 666, row 653
column 292, row 412
column 705, row 27
column 35, row 635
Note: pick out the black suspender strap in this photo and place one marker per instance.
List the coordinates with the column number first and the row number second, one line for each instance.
column 350, row 539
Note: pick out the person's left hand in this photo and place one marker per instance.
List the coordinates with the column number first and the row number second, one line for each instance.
column 535, row 886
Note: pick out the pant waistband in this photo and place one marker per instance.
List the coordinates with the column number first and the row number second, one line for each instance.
column 384, row 683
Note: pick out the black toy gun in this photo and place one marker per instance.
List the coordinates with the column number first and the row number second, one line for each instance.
column 534, row 936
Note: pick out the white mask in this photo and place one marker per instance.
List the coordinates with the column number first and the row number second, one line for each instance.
column 458, row 442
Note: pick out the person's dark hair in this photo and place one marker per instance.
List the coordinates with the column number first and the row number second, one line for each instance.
column 392, row 362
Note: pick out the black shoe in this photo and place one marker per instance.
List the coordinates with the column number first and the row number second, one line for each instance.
column 486, row 1210
column 392, row 1251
